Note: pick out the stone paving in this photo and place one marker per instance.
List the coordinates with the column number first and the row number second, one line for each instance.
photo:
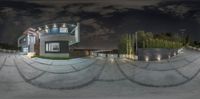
column 79, row 73
column 73, row 73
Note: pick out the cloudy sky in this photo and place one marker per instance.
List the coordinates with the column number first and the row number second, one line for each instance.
column 102, row 21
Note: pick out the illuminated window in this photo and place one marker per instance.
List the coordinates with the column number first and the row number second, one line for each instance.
column 63, row 30
column 54, row 30
column 52, row 47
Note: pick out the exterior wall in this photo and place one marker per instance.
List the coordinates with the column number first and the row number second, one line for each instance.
column 51, row 38
column 77, row 32
column 152, row 53
column 22, row 41
column 64, row 48
column 65, row 39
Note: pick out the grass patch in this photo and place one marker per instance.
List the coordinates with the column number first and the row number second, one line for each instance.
column 52, row 58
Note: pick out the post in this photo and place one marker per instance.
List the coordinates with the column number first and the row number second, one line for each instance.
column 136, row 45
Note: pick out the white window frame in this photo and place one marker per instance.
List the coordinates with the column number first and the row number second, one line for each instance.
column 50, row 47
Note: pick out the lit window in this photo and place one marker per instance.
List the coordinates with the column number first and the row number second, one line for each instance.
column 52, row 47
column 63, row 30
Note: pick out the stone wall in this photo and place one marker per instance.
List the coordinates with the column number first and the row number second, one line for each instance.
column 152, row 54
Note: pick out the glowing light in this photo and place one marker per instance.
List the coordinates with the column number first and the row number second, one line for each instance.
column 131, row 56
column 159, row 57
column 112, row 60
column 39, row 28
column 46, row 30
column 174, row 54
column 92, row 53
column 169, row 56
column 124, row 55
column 73, row 25
column 146, row 58
column 54, row 25
column 31, row 54
column 46, row 26
column 64, row 25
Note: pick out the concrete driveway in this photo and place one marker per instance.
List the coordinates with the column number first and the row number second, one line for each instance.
column 100, row 78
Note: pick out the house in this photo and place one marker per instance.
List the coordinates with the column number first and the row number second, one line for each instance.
column 52, row 39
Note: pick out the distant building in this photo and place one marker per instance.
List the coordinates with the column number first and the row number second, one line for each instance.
column 50, row 40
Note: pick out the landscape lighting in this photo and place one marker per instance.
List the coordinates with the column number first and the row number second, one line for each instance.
column 146, row 58
column 159, row 57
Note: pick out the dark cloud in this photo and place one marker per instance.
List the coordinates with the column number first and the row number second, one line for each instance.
column 101, row 20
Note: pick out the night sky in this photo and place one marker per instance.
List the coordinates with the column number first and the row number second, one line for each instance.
column 102, row 21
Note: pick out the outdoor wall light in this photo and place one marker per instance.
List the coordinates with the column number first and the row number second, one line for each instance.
column 169, row 56
column 100, row 55
column 92, row 53
column 39, row 29
column 46, row 26
column 54, row 25
column 159, row 57
column 131, row 56
column 174, row 54
column 146, row 58
column 112, row 60
column 64, row 25
column 123, row 55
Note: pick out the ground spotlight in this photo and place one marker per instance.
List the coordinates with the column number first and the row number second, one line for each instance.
column 112, row 60
column 169, row 56
column 159, row 57
column 174, row 54
column 146, row 58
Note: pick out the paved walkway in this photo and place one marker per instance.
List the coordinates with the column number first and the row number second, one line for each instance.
column 81, row 73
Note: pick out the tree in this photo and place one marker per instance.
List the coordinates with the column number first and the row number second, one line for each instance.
column 126, row 44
